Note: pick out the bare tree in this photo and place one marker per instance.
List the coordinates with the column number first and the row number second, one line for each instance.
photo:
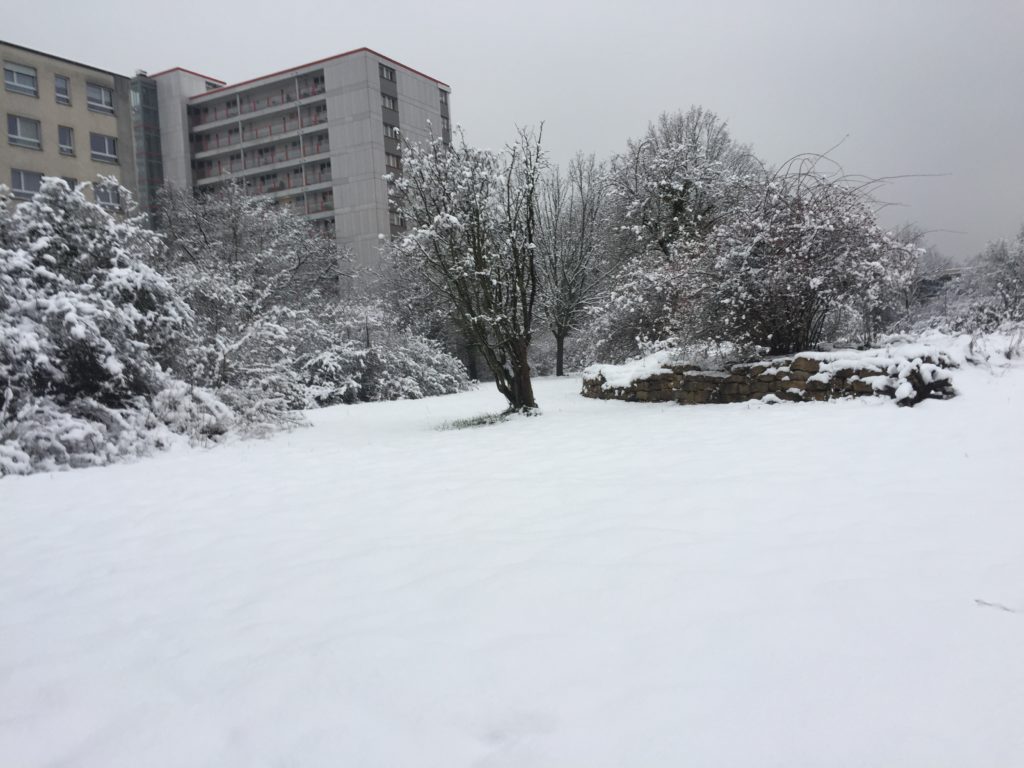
column 572, row 257
column 472, row 225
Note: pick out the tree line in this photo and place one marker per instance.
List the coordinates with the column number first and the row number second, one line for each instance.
column 237, row 314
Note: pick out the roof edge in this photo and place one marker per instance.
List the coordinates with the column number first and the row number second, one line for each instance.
column 364, row 49
column 188, row 72
column 62, row 58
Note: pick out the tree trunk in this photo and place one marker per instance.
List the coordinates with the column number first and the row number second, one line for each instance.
column 469, row 352
column 520, row 384
column 559, row 354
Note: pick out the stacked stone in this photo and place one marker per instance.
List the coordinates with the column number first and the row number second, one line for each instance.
column 796, row 378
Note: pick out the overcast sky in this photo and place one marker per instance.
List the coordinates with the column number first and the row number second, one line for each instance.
column 914, row 86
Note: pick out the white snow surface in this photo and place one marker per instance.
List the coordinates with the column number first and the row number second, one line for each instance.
column 610, row 584
column 638, row 369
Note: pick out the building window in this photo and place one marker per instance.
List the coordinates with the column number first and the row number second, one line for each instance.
column 62, row 87
column 23, row 132
column 108, row 195
column 66, row 139
column 394, row 162
column 387, row 73
column 444, row 97
column 25, row 183
column 388, row 102
column 71, row 181
column 391, row 131
column 99, row 98
column 397, row 219
column 20, row 79
column 103, row 148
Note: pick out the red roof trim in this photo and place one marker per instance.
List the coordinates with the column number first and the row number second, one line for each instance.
column 189, row 71
column 314, row 63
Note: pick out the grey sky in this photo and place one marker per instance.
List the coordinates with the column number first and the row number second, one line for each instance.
column 916, row 86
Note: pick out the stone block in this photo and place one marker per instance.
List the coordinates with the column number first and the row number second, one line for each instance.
column 805, row 364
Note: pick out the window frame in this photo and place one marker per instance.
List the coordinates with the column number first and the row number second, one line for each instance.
column 394, row 166
column 62, row 98
column 13, row 86
column 21, row 191
column 99, row 106
column 17, row 139
column 385, row 98
column 69, row 148
column 104, row 157
column 107, row 195
column 387, row 73
column 392, row 131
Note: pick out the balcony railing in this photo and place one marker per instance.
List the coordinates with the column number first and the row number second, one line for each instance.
column 215, row 113
column 269, row 130
column 316, row 147
column 269, row 158
column 216, row 141
column 258, row 104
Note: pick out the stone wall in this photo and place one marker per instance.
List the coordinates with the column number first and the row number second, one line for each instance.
column 807, row 376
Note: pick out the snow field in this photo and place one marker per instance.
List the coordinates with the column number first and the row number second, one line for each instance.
column 608, row 584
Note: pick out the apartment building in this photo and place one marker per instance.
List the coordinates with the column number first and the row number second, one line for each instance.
column 66, row 119
column 318, row 137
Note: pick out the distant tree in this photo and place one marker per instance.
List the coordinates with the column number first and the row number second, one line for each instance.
column 472, row 230
column 677, row 182
column 572, row 255
column 997, row 276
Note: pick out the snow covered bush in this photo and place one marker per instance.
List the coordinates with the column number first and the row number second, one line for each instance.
column 990, row 294
column 256, row 276
column 369, row 358
column 803, row 253
column 728, row 251
column 667, row 192
column 273, row 332
column 84, row 325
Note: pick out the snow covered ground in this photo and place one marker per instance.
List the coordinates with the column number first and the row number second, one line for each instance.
column 611, row 584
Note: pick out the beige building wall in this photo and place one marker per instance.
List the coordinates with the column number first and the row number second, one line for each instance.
column 45, row 108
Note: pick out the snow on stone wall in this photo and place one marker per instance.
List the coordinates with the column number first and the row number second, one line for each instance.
column 806, row 376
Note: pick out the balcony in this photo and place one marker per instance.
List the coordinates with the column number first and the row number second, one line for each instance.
column 266, row 131
column 215, row 142
column 278, row 158
column 274, row 156
column 207, row 114
column 246, row 106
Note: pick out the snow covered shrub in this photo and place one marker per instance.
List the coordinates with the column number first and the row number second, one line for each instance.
column 667, row 192
column 802, row 252
column 731, row 253
column 409, row 367
column 257, row 278
column 990, row 294
column 84, row 324
column 370, row 359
